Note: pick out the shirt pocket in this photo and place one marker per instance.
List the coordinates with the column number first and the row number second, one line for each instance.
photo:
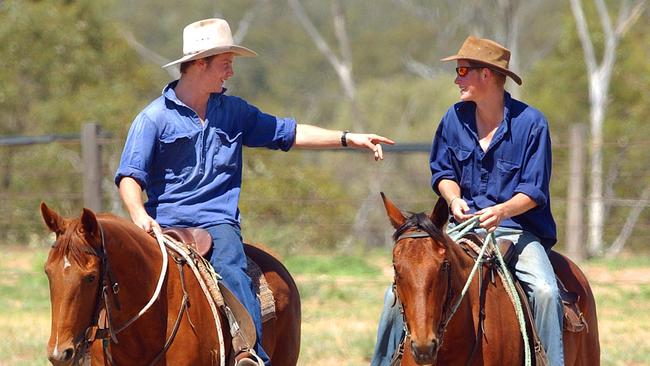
column 226, row 153
column 177, row 154
column 507, row 178
column 463, row 166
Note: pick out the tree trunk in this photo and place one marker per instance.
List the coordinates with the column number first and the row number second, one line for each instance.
column 574, row 217
column 599, row 79
column 631, row 221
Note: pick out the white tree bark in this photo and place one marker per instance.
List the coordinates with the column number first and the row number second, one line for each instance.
column 152, row 56
column 631, row 221
column 342, row 65
column 478, row 19
column 599, row 80
column 149, row 54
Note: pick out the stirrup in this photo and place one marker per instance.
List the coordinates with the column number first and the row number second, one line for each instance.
column 248, row 358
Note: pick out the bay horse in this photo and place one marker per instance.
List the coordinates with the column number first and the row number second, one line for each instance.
column 178, row 328
column 430, row 271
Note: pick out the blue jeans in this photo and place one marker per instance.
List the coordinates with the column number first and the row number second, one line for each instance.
column 534, row 271
column 229, row 261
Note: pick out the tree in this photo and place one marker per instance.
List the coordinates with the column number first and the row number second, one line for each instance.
column 514, row 23
column 600, row 73
column 63, row 64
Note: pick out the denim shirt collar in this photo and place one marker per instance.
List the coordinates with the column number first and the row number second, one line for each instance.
column 468, row 109
column 170, row 94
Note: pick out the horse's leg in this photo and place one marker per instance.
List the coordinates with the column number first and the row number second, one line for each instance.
column 579, row 348
column 280, row 336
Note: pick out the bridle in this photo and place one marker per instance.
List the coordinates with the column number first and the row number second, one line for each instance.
column 101, row 325
column 94, row 330
column 447, row 310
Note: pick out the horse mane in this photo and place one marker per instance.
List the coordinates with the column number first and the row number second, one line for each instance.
column 73, row 245
column 420, row 221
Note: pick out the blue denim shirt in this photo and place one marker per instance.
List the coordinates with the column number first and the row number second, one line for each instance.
column 192, row 173
column 518, row 160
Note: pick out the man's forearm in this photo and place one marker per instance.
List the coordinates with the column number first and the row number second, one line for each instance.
column 449, row 190
column 313, row 136
column 131, row 194
column 517, row 205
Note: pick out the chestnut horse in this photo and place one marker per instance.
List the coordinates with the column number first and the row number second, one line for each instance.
column 93, row 251
column 430, row 272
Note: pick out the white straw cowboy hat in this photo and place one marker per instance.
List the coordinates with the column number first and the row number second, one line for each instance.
column 206, row 38
column 487, row 52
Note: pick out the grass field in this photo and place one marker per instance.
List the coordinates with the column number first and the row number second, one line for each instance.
column 341, row 297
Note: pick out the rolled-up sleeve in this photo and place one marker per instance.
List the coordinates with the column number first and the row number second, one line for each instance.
column 536, row 172
column 264, row 130
column 439, row 160
column 138, row 151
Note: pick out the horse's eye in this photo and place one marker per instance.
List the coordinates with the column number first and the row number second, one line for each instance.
column 90, row 278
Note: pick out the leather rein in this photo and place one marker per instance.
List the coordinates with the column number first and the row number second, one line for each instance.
column 106, row 331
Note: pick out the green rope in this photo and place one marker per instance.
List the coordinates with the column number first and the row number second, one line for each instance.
column 516, row 302
column 458, row 232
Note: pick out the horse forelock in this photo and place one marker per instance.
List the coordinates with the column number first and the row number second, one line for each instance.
column 72, row 245
column 421, row 221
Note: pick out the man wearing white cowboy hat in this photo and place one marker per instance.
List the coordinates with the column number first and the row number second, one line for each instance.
column 185, row 150
column 491, row 158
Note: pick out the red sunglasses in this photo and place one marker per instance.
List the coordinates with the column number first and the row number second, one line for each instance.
column 462, row 71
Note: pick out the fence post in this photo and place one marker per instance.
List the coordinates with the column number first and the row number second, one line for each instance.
column 92, row 170
column 575, row 244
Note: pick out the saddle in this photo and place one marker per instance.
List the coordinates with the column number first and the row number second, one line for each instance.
column 573, row 318
column 241, row 324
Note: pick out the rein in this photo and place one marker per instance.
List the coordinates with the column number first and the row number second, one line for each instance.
column 456, row 233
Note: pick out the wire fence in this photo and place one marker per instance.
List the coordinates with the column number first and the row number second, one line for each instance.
column 51, row 171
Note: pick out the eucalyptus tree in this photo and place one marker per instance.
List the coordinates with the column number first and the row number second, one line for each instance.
column 514, row 23
column 63, row 63
column 600, row 72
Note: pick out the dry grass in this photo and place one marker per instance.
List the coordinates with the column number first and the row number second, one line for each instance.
column 341, row 303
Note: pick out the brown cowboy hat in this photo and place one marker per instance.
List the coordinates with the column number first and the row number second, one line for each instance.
column 487, row 52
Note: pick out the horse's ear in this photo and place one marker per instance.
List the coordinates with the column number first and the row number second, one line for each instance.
column 53, row 220
column 89, row 223
column 396, row 216
column 440, row 213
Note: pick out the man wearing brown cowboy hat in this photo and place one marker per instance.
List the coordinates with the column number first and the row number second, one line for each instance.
column 185, row 150
column 491, row 158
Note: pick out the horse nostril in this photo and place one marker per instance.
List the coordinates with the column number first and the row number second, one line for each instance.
column 424, row 353
column 434, row 345
column 62, row 358
column 67, row 354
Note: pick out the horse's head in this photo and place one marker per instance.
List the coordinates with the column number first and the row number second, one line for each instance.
column 422, row 276
column 74, row 271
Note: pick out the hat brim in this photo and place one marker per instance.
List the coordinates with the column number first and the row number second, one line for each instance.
column 237, row 50
column 500, row 69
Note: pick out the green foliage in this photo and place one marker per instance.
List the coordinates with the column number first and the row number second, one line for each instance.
column 63, row 63
column 559, row 87
column 68, row 62
column 286, row 203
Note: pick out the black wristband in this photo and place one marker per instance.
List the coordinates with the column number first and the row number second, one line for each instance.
column 344, row 140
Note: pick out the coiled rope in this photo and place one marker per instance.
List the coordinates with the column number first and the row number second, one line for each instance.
column 458, row 232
